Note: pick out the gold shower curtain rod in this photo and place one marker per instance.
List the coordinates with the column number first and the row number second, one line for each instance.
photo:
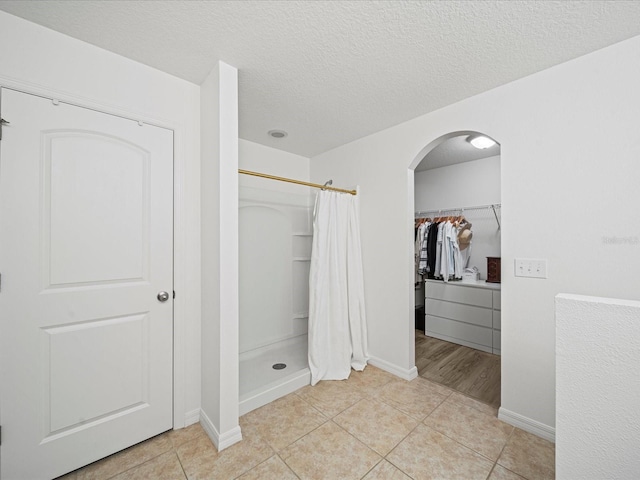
column 297, row 182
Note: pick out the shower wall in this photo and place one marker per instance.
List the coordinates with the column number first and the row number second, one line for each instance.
column 274, row 247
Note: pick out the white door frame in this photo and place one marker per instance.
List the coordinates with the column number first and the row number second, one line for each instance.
column 179, row 208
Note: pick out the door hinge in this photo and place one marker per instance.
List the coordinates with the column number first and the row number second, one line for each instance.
column 174, row 294
column 3, row 122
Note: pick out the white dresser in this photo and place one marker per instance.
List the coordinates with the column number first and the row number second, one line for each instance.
column 464, row 313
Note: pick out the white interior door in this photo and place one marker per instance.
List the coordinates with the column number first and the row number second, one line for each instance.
column 86, row 219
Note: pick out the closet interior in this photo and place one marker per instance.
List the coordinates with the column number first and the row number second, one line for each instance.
column 457, row 268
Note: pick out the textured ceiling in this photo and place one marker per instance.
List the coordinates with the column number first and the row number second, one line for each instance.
column 329, row 72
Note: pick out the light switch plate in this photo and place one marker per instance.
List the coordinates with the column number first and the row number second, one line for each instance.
column 531, row 267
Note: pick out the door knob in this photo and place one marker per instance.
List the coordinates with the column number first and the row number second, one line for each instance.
column 163, row 296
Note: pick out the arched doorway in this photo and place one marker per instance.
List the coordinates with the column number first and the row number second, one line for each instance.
column 457, row 251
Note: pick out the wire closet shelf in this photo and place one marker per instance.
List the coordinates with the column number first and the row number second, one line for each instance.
column 494, row 207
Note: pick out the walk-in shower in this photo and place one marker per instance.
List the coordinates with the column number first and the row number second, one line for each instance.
column 274, row 257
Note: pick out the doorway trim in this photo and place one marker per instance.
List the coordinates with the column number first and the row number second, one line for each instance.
column 181, row 418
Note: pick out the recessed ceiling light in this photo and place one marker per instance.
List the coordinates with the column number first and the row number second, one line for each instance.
column 481, row 142
column 277, row 133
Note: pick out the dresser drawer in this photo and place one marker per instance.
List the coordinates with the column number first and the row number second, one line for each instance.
column 458, row 330
column 459, row 294
column 496, row 300
column 496, row 320
column 460, row 312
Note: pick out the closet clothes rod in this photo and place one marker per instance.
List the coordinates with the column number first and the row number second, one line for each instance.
column 460, row 211
column 297, row 182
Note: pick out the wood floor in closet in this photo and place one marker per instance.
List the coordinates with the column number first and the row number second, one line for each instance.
column 466, row 370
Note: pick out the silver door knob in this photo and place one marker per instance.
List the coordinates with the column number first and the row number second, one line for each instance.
column 163, row 296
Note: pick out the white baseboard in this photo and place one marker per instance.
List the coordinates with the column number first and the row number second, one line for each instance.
column 192, row 417
column 229, row 438
column 527, row 424
column 405, row 374
column 221, row 441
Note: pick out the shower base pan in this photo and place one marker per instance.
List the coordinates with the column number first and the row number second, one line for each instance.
column 261, row 383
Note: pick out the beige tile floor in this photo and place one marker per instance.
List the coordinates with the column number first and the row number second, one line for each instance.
column 372, row 426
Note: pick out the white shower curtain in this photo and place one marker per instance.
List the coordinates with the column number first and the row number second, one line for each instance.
column 337, row 323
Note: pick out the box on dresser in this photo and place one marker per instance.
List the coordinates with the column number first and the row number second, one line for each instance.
column 493, row 269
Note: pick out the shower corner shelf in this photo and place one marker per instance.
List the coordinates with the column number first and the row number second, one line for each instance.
column 301, row 316
column 301, row 259
column 302, row 234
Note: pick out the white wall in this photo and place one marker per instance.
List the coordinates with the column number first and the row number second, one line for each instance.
column 569, row 170
column 272, row 285
column 258, row 158
column 37, row 60
column 219, row 207
column 460, row 185
column 466, row 185
column 598, row 352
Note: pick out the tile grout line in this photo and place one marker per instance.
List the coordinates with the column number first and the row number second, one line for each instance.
column 467, row 447
column 77, row 471
column 500, row 454
column 316, row 409
column 287, row 465
column 493, row 467
column 275, row 454
column 356, row 439
column 398, row 444
column 175, row 450
column 139, row 464
column 190, row 440
column 382, row 457
column 373, row 468
column 473, row 399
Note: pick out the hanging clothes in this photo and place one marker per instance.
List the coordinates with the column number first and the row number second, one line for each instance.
column 442, row 248
column 446, row 251
column 464, row 242
column 337, row 324
column 432, row 242
column 421, row 240
column 439, row 240
column 459, row 261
